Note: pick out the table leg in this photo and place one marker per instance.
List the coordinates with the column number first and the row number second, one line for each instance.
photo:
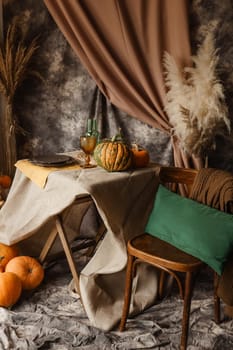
column 68, row 252
column 48, row 245
column 59, row 230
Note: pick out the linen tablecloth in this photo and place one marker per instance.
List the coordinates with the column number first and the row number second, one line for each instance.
column 124, row 201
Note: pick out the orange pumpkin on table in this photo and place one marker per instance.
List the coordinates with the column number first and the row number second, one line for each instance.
column 10, row 289
column 28, row 269
column 6, row 254
column 140, row 156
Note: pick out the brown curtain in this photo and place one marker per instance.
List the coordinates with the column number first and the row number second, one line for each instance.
column 122, row 43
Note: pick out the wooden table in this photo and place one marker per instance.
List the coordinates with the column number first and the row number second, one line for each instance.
column 123, row 200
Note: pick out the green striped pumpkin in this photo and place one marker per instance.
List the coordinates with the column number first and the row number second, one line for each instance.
column 113, row 155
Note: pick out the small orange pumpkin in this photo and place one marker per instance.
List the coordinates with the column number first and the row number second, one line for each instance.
column 10, row 289
column 7, row 253
column 141, row 157
column 28, row 269
column 5, row 181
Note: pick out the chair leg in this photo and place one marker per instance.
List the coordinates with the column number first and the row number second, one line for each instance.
column 128, row 290
column 217, row 315
column 161, row 283
column 186, row 310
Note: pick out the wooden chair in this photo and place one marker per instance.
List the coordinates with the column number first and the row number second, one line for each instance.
column 164, row 256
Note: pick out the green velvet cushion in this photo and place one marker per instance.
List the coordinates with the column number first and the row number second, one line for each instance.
column 195, row 228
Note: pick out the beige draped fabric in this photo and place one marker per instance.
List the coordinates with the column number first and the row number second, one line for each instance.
column 122, row 43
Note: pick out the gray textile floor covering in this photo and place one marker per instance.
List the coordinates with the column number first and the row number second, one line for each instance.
column 53, row 318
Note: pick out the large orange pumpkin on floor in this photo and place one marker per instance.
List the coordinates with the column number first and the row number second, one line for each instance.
column 7, row 253
column 10, row 289
column 28, row 269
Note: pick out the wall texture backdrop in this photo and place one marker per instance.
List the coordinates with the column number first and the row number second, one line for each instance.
column 54, row 112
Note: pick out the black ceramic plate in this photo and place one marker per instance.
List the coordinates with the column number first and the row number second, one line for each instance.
column 52, row 160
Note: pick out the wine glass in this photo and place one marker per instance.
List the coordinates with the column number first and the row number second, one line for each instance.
column 87, row 144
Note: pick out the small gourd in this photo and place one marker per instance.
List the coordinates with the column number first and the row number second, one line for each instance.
column 140, row 156
column 5, row 181
column 113, row 155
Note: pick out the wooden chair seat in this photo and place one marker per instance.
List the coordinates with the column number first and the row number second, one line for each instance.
column 158, row 252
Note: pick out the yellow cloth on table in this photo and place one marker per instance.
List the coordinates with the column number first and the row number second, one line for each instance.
column 39, row 174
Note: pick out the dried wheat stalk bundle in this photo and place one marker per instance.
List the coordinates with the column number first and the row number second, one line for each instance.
column 15, row 57
column 15, row 66
column 195, row 100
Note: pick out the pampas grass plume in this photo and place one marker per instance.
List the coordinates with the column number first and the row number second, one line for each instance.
column 195, row 100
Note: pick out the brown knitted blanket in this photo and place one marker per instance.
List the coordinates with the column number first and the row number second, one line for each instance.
column 214, row 187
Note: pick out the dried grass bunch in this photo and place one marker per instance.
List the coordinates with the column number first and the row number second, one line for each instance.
column 15, row 66
column 195, row 100
column 15, row 57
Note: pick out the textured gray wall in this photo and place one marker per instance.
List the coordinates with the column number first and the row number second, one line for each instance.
column 54, row 112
